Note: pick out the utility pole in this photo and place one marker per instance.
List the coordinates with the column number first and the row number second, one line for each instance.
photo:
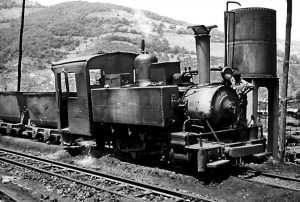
column 20, row 47
column 284, row 83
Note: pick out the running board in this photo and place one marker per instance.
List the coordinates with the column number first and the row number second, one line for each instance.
column 218, row 163
column 246, row 150
column 261, row 155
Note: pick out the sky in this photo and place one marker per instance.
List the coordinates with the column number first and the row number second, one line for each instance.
column 206, row 12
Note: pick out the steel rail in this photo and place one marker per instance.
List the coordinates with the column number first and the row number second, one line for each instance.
column 273, row 175
column 9, row 196
column 154, row 189
column 270, row 175
column 272, row 184
column 65, row 177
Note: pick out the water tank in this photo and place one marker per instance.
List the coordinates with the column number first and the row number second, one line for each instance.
column 252, row 41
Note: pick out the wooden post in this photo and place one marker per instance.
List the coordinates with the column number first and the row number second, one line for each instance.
column 284, row 83
column 20, row 47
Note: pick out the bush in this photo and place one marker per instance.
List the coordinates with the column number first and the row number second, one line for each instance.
column 2, row 67
column 134, row 31
column 280, row 53
column 184, row 31
column 159, row 45
column 179, row 50
column 172, row 26
column 110, row 38
column 119, row 28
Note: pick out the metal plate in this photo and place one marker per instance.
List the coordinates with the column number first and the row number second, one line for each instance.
column 252, row 41
column 139, row 105
column 11, row 106
column 42, row 109
column 245, row 150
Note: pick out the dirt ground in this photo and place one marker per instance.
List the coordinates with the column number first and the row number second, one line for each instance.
column 217, row 186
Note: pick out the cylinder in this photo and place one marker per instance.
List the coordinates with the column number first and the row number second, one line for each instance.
column 203, row 57
column 142, row 67
column 252, row 41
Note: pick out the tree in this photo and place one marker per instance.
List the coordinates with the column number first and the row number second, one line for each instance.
column 160, row 29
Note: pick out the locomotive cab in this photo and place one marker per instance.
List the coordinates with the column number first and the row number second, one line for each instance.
column 74, row 79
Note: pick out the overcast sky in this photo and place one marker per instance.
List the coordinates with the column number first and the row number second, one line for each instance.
column 207, row 12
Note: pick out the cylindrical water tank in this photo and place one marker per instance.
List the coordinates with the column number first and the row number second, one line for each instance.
column 252, row 41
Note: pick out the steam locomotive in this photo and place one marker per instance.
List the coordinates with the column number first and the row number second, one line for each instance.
column 134, row 104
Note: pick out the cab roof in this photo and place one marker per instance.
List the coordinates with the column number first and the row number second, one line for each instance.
column 111, row 62
column 88, row 57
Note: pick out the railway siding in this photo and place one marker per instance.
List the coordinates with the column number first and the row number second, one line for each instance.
column 116, row 186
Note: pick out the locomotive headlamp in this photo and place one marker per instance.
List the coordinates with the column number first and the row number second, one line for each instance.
column 227, row 73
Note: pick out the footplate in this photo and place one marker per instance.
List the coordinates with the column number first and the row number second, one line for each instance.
column 245, row 150
column 218, row 163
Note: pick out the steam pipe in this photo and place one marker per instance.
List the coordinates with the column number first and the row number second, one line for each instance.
column 202, row 38
column 226, row 29
column 225, row 38
column 231, row 2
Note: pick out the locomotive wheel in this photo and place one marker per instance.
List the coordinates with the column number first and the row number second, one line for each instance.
column 117, row 145
column 20, row 133
column 103, row 136
column 100, row 143
column 3, row 131
column 39, row 137
column 13, row 133
column 136, row 156
column 67, row 139
column 26, row 135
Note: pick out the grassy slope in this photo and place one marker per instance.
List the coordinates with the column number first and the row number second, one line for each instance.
column 79, row 28
column 67, row 30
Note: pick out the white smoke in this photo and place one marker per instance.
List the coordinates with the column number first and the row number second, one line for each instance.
column 143, row 23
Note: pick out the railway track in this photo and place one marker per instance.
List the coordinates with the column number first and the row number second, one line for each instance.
column 117, row 186
column 270, row 179
column 6, row 197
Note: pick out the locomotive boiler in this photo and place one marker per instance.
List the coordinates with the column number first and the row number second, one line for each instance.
column 136, row 105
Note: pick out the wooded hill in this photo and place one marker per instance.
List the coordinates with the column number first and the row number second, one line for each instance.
column 80, row 28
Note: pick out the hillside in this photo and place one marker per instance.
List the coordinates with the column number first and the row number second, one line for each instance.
column 6, row 4
column 79, row 28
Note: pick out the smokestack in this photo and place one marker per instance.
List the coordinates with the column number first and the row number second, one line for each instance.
column 202, row 38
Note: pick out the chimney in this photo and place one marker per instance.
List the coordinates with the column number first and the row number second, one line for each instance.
column 202, row 38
